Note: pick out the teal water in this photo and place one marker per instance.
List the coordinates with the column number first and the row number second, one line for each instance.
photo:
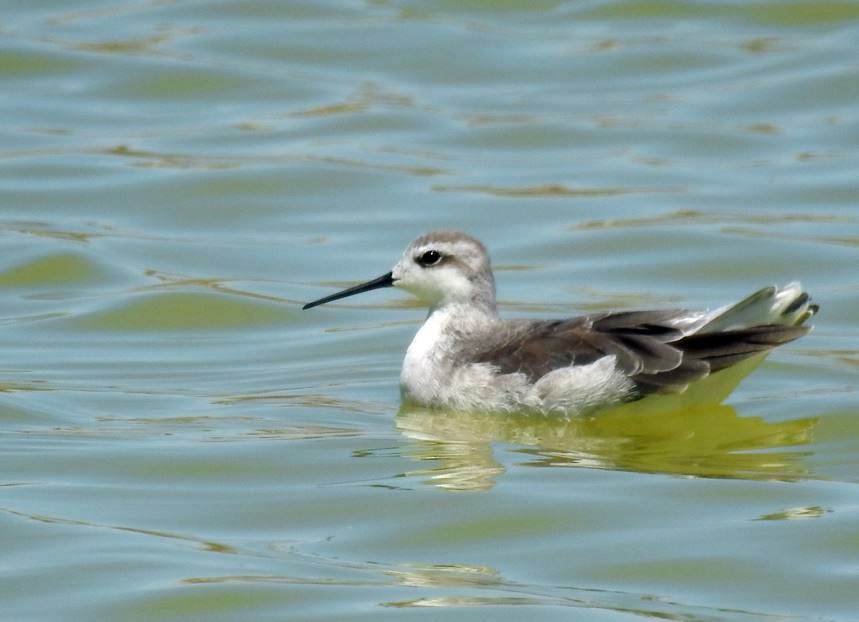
column 178, row 441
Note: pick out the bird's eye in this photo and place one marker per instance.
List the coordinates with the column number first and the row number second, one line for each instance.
column 429, row 258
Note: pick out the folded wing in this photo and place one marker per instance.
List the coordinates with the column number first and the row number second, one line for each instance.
column 647, row 345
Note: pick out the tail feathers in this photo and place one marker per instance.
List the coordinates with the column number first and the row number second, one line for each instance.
column 752, row 327
column 781, row 306
column 726, row 348
column 705, row 353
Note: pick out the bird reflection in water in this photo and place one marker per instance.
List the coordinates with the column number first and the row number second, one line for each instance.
column 691, row 434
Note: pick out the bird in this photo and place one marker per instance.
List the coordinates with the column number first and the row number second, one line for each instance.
column 466, row 358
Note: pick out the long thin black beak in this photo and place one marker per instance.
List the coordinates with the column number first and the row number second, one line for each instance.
column 386, row 280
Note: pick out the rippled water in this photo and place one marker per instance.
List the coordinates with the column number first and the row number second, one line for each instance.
column 179, row 441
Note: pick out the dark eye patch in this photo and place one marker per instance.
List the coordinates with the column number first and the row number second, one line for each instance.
column 429, row 258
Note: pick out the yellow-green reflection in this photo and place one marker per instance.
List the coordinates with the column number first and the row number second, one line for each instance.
column 182, row 311
column 55, row 270
column 686, row 434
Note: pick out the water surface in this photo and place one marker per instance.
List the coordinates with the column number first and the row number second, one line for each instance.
column 179, row 441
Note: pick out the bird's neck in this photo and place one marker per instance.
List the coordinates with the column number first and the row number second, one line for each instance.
column 451, row 325
column 457, row 308
column 447, row 329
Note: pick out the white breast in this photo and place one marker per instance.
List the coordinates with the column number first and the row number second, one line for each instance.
column 424, row 365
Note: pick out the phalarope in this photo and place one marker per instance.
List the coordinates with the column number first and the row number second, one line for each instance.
column 465, row 357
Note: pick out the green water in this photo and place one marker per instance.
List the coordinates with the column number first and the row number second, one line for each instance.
column 178, row 441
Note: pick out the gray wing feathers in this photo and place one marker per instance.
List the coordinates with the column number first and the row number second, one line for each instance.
column 647, row 346
column 729, row 347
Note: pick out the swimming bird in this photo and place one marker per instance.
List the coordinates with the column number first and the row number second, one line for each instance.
column 465, row 357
